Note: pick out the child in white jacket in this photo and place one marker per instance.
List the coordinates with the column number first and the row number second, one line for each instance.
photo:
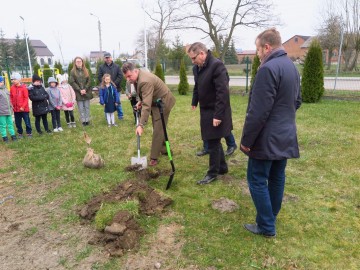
column 68, row 98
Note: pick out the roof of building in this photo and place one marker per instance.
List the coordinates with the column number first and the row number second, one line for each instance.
column 97, row 54
column 39, row 47
column 307, row 43
column 245, row 52
column 301, row 36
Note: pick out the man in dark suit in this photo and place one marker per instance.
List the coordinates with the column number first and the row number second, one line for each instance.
column 269, row 135
column 211, row 91
column 150, row 88
column 109, row 67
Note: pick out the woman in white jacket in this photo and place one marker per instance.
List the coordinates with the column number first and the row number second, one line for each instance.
column 68, row 98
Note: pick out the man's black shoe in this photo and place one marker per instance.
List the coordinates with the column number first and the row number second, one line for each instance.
column 202, row 153
column 230, row 150
column 255, row 230
column 207, row 180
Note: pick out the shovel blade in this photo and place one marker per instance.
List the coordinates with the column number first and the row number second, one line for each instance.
column 139, row 161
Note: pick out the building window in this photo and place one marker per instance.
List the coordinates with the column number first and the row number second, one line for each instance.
column 49, row 61
column 296, row 40
column 42, row 62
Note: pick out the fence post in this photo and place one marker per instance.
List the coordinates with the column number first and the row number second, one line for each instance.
column 339, row 56
column 247, row 74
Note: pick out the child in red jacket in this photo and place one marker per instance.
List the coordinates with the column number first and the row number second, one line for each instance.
column 19, row 97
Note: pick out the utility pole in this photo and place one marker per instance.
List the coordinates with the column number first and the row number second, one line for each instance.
column 145, row 38
column 27, row 46
column 99, row 28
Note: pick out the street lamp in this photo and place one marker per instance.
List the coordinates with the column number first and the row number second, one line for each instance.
column 27, row 45
column 145, row 38
column 99, row 26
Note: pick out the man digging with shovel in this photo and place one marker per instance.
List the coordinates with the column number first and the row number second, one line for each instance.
column 150, row 88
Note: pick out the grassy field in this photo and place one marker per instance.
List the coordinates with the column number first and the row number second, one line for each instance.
column 318, row 226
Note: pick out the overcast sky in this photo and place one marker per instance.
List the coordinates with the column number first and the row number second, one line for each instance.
column 69, row 23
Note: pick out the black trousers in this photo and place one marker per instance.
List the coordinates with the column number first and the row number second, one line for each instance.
column 217, row 161
column 38, row 118
column 69, row 116
column 55, row 118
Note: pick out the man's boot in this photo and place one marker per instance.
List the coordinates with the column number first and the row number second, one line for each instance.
column 5, row 139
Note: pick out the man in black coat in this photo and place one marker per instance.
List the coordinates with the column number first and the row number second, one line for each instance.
column 109, row 67
column 269, row 135
column 211, row 91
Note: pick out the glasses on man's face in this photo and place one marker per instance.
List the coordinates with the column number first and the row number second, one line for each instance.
column 193, row 58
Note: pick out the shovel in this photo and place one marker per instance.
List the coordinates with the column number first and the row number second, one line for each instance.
column 160, row 105
column 138, row 161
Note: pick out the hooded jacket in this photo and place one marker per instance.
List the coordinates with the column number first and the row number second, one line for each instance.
column 39, row 98
column 5, row 105
column 67, row 96
column 19, row 96
column 54, row 98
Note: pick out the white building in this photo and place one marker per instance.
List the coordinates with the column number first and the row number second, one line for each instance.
column 43, row 54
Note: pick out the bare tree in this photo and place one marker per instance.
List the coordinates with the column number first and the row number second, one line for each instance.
column 58, row 39
column 215, row 21
column 329, row 34
column 151, row 40
column 351, row 41
column 165, row 15
column 342, row 16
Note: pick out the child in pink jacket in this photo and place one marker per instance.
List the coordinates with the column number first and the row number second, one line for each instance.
column 68, row 98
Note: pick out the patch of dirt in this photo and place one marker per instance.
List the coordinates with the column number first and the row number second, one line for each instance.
column 30, row 238
column 33, row 234
column 146, row 174
column 234, row 161
column 151, row 202
column 224, row 205
column 164, row 251
column 244, row 187
column 123, row 233
column 290, row 198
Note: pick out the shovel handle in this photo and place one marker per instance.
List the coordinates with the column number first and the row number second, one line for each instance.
column 138, row 145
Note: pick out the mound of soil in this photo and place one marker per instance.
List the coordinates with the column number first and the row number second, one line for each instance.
column 123, row 233
column 224, row 205
column 145, row 174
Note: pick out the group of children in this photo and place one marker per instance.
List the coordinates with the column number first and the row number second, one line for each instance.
column 52, row 100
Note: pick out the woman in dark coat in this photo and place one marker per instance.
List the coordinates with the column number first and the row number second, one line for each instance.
column 40, row 104
column 211, row 91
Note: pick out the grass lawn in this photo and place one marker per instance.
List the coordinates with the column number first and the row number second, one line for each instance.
column 318, row 226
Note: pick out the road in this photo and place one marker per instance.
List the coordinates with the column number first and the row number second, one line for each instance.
column 342, row 83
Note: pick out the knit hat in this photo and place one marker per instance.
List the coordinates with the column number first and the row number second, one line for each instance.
column 1, row 79
column 65, row 77
column 15, row 76
column 36, row 78
column 52, row 79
